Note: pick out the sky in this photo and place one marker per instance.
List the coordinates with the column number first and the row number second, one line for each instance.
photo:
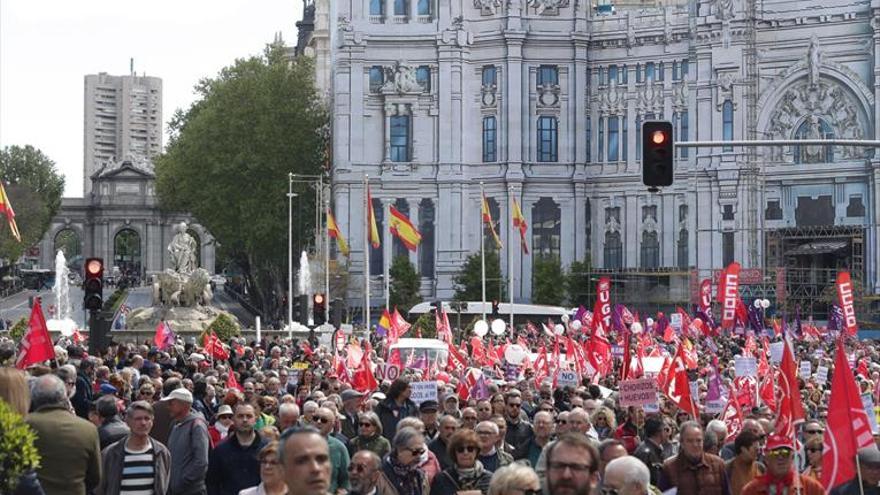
column 48, row 46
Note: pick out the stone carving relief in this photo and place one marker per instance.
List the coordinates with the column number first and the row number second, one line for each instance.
column 547, row 7
column 680, row 96
column 395, row 109
column 807, row 102
column 343, row 23
column 612, row 99
column 401, row 79
column 814, row 60
column 548, row 95
column 723, row 9
column 650, row 98
column 724, row 82
column 488, row 95
column 488, row 7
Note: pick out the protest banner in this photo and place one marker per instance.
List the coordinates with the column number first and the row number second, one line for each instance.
column 745, row 366
column 422, row 391
column 567, row 378
column 822, row 375
column 638, row 392
column 806, row 370
column 388, row 372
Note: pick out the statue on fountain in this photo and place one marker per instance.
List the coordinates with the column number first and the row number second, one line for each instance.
column 184, row 284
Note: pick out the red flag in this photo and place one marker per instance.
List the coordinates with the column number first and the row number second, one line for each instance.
column 477, row 352
column 689, row 354
column 602, row 309
column 845, row 298
column 399, row 323
column 728, row 289
column 164, row 338
column 36, row 345
column 767, row 393
column 678, row 386
column 363, row 379
column 791, row 408
column 599, row 354
column 441, row 322
column 456, row 360
column 232, row 382
column 848, row 427
column 706, row 296
column 214, row 348
column 462, row 390
column 732, row 417
column 624, row 368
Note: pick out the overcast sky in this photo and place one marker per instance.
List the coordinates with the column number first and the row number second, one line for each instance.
column 47, row 46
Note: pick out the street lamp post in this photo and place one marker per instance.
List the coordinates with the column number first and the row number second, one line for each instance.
column 290, row 196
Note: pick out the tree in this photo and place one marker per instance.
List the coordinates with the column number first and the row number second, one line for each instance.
column 548, row 279
column 228, row 159
column 577, row 283
column 468, row 283
column 405, row 283
column 34, row 187
column 426, row 326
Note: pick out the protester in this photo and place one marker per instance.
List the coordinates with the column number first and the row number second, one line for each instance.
column 868, row 459
column 572, row 466
column 369, row 436
column 609, row 450
column 234, row 464
column 366, row 477
column 15, row 393
column 305, row 457
column 514, row 479
column 350, row 420
column 543, row 428
column 70, row 455
column 781, row 476
column 401, row 466
column 650, row 451
column 626, row 475
column 745, row 466
column 489, row 455
column 440, row 445
column 813, row 451
column 325, row 419
column 693, row 471
column 112, row 427
column 467, row 473
column 136, row 463
column 188, row 444
column 222, row 426
column 271, row 473
column 519, row 432
column 396, row 406
column 288, row 416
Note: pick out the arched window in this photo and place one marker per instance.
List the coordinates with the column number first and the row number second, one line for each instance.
column 814, row 127
column 546, row 222
column 727, row 121
column 397, row 248
column 426, row 247
column 650, row 250
column 377, row 254
column 67, row 240
column 613, row 251
column 127, row 252
column 683, row 248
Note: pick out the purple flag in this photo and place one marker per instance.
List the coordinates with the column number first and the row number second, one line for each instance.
column 617, row 322
column 480, row 389
column 579, row 313
column 714, row 390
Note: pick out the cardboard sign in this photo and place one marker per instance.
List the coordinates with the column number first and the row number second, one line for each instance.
column 567, row 379
column 868, row 403
column 299, row 365
column 388, row 372
column 675, row 321
column 617, row 351
column 638, row 392
column 511, row 372
column 822, row 375
column 745, row 366
column 806, row 370
column 651, row 408
column 715, row 406
column 422, row 391
column 776, row 350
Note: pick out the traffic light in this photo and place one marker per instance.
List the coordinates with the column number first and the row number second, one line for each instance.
column 93, row 284
column 319, row 309
column 657, row 153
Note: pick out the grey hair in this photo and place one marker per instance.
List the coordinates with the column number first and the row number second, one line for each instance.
column 374, row 458
column 411, row 422
column 510, row 478
column 492, row 423
column 632, row 470
column 404, row 437
column 66, row 372
column 288, row 408
column 717, row 427
column 373, row 418
column 48, row 390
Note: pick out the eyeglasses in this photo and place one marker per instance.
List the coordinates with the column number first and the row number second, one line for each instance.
column 484, row 432
column 515, row 404
column 531, row 491
column 357, row 467
column 814, row 449
column 561, row 422
column 366, row 424
column 574, row 466
column 417, row 452
column 815, row 432
column 607, row 490
column 469, row 418
column 781, row 453
column 466, row 448
column 319, row 419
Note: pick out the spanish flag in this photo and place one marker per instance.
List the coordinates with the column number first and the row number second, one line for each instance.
column 333, row 231
column 487, row 219
column 404, row 230
column 519, row 222
column 6, row 209
column 371, row 220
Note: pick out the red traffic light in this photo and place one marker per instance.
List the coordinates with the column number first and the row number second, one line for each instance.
column 94, row 267
column 658, row 137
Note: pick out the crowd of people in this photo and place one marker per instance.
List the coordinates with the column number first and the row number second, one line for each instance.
column 280, row 416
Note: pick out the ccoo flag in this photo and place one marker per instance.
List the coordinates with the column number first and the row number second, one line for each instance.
column 371, row 221
column 404, row 229
column 6, row 209
column 334, row 232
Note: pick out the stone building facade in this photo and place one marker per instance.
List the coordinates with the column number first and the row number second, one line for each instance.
column 542, row 100
column 121, row 222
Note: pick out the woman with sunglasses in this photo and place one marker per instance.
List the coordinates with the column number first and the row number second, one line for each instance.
column 401, row 466
column 813, row 448
column 369, row 436
column 467, row 474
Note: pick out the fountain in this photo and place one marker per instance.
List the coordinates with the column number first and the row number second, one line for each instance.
column 305, row 281
column 62, row 322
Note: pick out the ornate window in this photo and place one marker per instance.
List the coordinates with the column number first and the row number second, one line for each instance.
column 727, row 124
column 624, row 138
column 613, row 143
column 547, row 139
column 589, row 125
column 612, row 74
column 613, row 250
column 814, row 127
column 400, row 138
column 424, row 7
column 548, row 74
column 398, row 249
column 650, row 250
column 490, row 75
column 602, row 139
column 426, row 247
column 773, row 211
column 489, row 130
column 649, row 71
column 546, row 224
column 377, row 7
column 423, row 77
column 377, row 78
column 400, row 7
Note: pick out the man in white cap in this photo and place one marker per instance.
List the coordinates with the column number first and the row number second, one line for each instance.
column 188, row 444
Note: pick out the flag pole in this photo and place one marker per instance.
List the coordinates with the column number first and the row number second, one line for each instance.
column 386, row 243
column 326, row 260
column 482, row 250
column 510, row 255
column 367, row 253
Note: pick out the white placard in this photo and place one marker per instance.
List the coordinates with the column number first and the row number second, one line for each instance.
column 806, row 370
column 745, row 366
column 653, row 364
column 388, row 372
column 422, row 391
column 821, row 375
column 675, row 321
column 567, row 379
column 776, row 352
column 638, row 392
column 652, row 408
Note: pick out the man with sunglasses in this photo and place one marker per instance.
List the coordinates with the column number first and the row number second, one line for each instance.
column 519, row 431
column 365, row 476
column 781, row 476
column 325, row 421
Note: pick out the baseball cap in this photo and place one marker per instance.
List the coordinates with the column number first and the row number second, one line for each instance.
column 779, row 442
column 180, row 394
